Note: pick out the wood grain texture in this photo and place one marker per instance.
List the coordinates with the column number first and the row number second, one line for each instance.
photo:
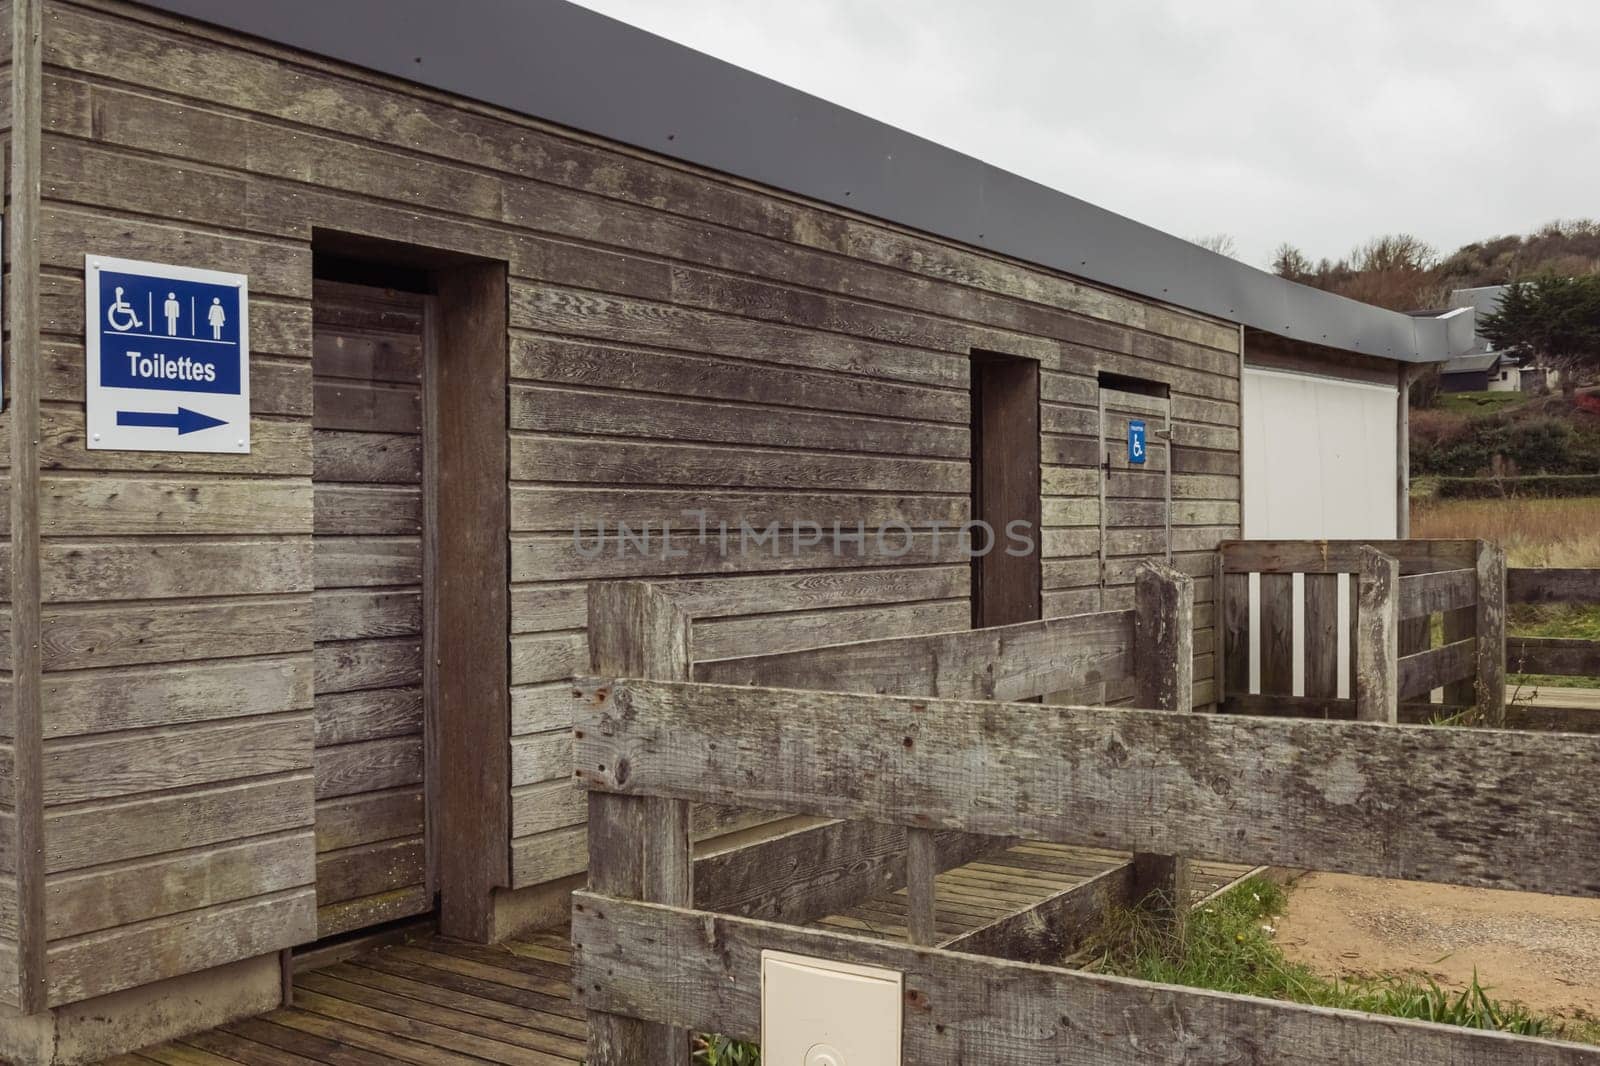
column 973, row 1009
column 1012, row 662
column 1377, row 675
column 24, row 971
column 471, row 616
column 1552, row 585
column 1311, row 795
column 638, row 846
column 1490, row 629
column 1163, row 658
column 1437, row 593
column 367, row 611
column 1344, row 556
column 1321, row 638
column 1422, row 672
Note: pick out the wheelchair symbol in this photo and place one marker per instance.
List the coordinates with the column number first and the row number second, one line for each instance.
column 120, row 314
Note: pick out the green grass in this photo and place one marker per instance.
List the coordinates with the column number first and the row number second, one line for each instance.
column 720, row 1051
column 1475, row 403
column 1228, row 946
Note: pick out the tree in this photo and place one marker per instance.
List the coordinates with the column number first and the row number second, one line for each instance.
column 1290, row 262
column 1394, row 271
column 1221, row 243
column 1553, row 320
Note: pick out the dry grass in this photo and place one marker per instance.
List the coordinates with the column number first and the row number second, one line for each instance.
column 1533, row 532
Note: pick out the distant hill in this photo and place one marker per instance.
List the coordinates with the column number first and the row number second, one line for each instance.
column 1405, row 273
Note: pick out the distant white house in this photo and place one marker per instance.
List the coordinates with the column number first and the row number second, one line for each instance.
column 1483, row 369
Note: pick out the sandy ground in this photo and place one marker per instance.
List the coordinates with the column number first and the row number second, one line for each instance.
column 1543, row 951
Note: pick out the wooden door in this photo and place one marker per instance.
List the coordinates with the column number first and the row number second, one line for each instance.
column 371, row 692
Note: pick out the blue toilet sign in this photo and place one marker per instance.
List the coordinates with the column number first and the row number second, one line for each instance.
column 168, row 365
column 1136, row 448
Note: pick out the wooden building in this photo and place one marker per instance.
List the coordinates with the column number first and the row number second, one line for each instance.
column 516, row 270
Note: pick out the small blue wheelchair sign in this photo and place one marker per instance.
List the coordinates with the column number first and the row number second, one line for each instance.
column 1136, row 448
column 168, row 357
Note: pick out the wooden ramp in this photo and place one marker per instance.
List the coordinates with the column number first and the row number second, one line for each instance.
column 437, row 1001
column 1025, row 878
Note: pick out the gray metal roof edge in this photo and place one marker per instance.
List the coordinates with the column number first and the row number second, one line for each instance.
column 556, row 61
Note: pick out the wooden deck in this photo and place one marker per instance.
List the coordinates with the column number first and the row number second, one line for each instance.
column 437, row 1001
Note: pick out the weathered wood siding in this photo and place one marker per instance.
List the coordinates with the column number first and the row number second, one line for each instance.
column 367, row 607
column 8, row 730
column 678, row 341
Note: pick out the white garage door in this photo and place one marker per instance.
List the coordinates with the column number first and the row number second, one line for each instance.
column 1319, row 457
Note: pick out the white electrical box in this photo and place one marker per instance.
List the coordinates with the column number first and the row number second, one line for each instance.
column 818, row 1012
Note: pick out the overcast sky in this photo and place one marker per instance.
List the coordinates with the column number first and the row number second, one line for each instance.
column 1321, row 124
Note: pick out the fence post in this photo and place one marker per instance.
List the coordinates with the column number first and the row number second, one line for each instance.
column 1490, row 683
column 1163, row 664
column 638, row 846
column 1377, row 652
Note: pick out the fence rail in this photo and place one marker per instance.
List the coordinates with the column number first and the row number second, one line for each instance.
column 1486, row 808
column 1555, row 656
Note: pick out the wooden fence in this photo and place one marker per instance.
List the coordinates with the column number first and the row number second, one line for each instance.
column 1487, row 808
column 1395, row 590
column 1557, row 656
column 1493, row 809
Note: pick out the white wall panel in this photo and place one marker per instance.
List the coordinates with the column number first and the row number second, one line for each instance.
column 1320, row 460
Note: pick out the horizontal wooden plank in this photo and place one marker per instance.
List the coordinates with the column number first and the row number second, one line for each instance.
column 554, row 557
column 1435, row 593
column 126, row 764
column 726, row 638
column 368, row 817
column 368, row 870
column 367, row 562
column 558, row 459
column 366, row 509
column 1552, row 585
column 543, row 607
column 566, row 361
column 371, row 714
column 1425, row 671
column 615, row 414
column 364, row 407
column 1485, row 808
column 86, row 571
column 701, row 971
column 1004, row 662
column 104, row 701
column 368, row 766
column 380, row 458
column 1340, row 556
column 367, row 912
column 101, row 505
column 360, row 614
column 347, row 666
column 565, row 508
column 112, row 896
column 95, row 833
column 77, row 637
column 1553, row 655
column 142, row 954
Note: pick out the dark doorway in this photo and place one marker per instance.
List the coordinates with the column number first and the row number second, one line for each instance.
column 1005, row 488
